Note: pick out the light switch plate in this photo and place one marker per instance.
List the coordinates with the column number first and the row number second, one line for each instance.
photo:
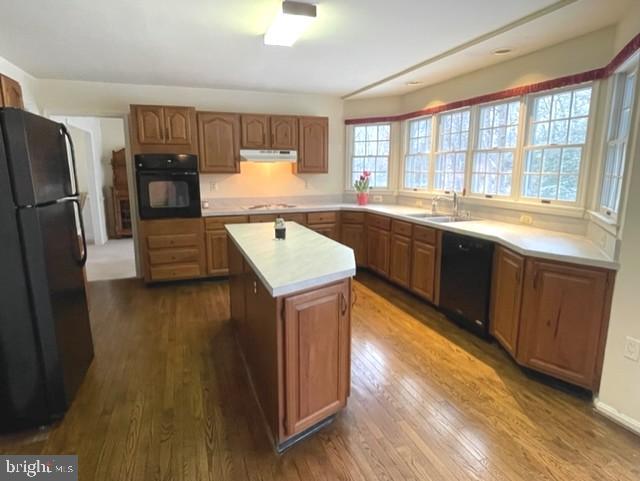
column 526, row 219
column 632, row 349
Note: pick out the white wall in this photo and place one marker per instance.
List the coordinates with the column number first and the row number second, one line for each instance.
column 92, row 98
column 27, row 83
column 619, row 395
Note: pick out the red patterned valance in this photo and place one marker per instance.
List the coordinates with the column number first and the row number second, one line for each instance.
column 588, row 76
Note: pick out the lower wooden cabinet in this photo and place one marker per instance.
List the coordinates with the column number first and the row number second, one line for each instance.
column 353, row 235
column 328, row 230
column 423, row 269
column 216, row 243
column 506, row 297
column 378, row 247
column 400, row 260
column 316, row 355
column 564, row 319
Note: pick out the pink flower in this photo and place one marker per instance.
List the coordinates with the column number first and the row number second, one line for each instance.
column 366, row 173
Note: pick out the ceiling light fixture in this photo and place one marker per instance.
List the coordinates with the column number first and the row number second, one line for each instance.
column 290, row 23
column 501, row 51
column 413, row 83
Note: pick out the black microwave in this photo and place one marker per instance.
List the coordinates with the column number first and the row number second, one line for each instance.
column 168, row 186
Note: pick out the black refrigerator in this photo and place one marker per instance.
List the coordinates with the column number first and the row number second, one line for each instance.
column 45, row 336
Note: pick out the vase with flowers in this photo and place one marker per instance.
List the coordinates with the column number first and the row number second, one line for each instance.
column 362, row 187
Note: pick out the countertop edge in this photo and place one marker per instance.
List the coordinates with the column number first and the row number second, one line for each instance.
column 450, row 227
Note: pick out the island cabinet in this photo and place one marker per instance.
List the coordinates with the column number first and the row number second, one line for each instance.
column 296, row 346
column 564, row 320
column 506, row 297
column 216, row 242
column 353, row 234
column 162, row 129
column 219, row 142
column 378, row 243
column 425, row 260
column 400, row 253
column 10, row 93
column 313, row 145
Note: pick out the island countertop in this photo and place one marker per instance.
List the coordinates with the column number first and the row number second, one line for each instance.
column 304, row 260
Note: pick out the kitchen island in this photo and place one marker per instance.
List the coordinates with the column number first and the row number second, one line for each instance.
column 291, row 309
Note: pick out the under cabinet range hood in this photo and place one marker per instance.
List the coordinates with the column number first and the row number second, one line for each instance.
column 251, row 155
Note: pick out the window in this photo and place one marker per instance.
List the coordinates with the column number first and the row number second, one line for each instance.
column 416, row 161
column 556, row 137
column 453, row 139
column 371, row 153
column 617, row 140
column 495, row 150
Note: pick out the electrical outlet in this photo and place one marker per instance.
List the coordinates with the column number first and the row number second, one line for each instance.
column 419, row 202
column 377, row 198
column 632, row 349
column 526, row 219
column 213, row 186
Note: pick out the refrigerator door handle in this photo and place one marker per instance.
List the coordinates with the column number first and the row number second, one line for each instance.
column 74, row 175
column 83, row 258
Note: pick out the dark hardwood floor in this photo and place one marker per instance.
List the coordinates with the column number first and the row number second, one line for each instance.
column 167, row 399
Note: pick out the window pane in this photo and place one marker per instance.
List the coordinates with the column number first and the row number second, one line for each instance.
column 452, row 146
column 560, row 119
column 371, row 146
column 416, row 163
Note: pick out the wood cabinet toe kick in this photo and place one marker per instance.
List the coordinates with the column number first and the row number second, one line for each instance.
column 296, row 349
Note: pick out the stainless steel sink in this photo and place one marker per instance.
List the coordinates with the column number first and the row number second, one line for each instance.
column 423, row 215
column 450, row 218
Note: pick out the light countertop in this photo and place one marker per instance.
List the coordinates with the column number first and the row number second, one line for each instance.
column 523, row 239
column 304, row 260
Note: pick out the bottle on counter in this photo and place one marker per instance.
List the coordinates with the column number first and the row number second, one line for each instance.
column 281, row 228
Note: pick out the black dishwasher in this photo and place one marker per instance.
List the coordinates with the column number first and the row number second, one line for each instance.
column 465, row 281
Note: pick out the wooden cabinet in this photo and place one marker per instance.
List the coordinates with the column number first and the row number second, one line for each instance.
column 120, row 208
column 325, row 223
column 313, row 145
column 284, row 132
column 216, row 243
column 255, row 131
column 378, row 246
column 10, row 93
column 163, row 129
column 506, row 297
column 564, row 319
column 219, row 142
column 423, row 270
column 172, row 249
column 400, row 260
column 353, row 234
column 316, row 355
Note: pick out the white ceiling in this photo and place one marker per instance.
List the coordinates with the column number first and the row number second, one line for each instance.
column 216, row 43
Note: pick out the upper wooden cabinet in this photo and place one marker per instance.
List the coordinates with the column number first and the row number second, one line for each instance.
column 163, row 129
column 313, row 145
column 564, row 320
column 506, row 290
column 284, row 132
column 10, row 93
column 255, row 131
column 316, row 355
column 219, row 142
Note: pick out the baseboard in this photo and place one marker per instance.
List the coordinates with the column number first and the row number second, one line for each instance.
column 617, row 417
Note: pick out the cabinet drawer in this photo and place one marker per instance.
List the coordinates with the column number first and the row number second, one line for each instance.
column 263, row 218
column 175, row 271
column 424, row 234
column 401, row 228
column 379, row 221
column 172, row 240
column 173, row 256
column 352, row 217
column 298, row 217
column 218, row 223
column 321, row 217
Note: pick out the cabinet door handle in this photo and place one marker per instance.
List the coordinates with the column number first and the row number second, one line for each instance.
column 255, row 287
column 344, row 304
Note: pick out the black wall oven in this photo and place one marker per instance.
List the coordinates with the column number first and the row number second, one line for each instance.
column 168, row 185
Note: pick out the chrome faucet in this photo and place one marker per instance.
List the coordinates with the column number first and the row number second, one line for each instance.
column 456, row 205
column 434, row 204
